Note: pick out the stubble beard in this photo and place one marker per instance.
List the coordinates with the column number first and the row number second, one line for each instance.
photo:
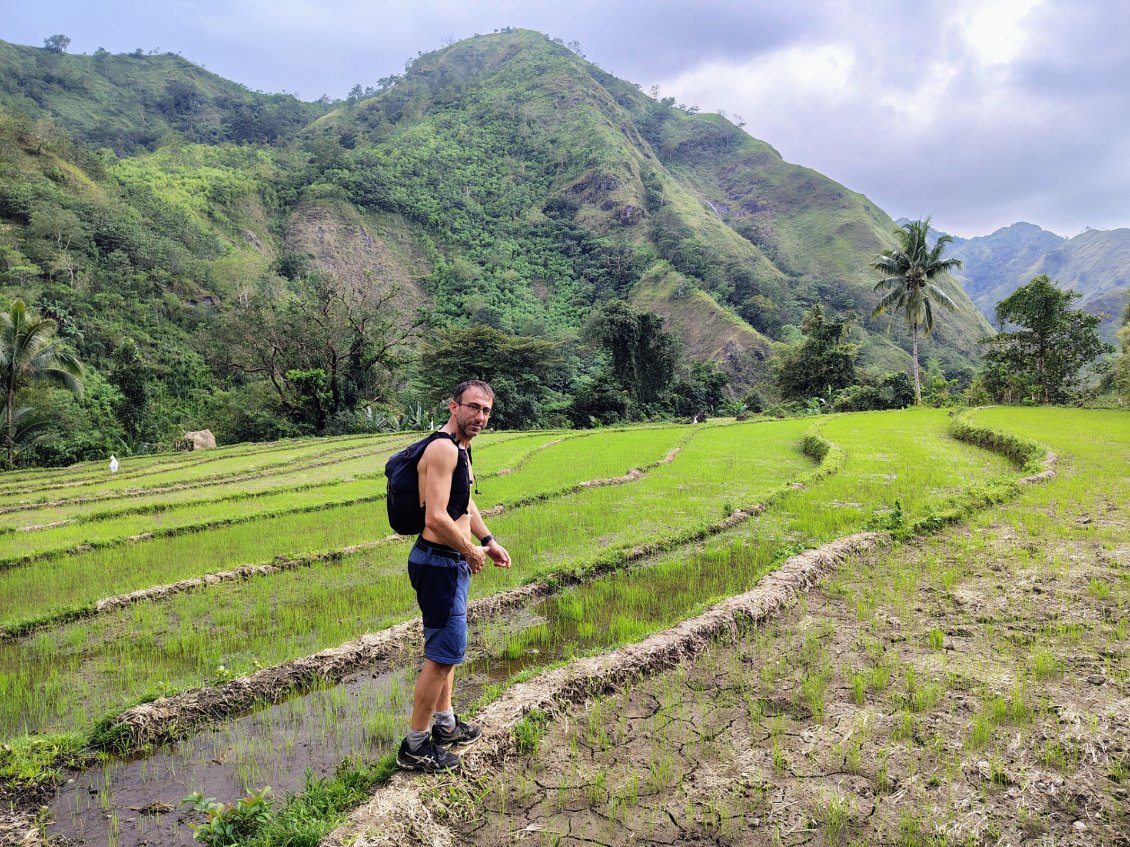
column 463, row 433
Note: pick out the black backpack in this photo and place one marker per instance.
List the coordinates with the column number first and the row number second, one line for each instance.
column 405, row 514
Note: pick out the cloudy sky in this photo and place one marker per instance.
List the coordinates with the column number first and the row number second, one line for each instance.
column 978, row 112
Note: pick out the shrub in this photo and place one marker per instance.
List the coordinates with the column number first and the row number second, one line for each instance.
column 890, row 391
column 228, row 825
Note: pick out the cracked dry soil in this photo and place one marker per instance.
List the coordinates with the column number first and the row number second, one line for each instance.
column 968, row 689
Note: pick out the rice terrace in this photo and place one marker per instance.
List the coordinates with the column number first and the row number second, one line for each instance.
column 904, row 627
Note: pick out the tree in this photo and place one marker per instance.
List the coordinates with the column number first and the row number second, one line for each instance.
column 30, row 352
column 521, row 370
column 326, row 347
column 822, row 364
column 874, row 392
column 908, row 287
column 642, row 353
column 700, row 392
column 1119, row 377
column 131, row 374
column 57, row 43
column 1041, row 358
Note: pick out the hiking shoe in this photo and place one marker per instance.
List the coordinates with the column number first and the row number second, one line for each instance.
column 430, row 758
column 464, row 733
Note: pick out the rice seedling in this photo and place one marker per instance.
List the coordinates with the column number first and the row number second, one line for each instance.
column 181, row 642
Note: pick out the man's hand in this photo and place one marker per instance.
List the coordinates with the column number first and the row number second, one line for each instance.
column 497, row 554
column 475, row 558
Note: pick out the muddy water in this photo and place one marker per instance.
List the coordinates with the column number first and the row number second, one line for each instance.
column 136, row 802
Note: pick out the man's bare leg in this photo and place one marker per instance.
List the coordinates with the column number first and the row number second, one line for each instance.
column 417, row 752
column 443, row 702
column 432, row 693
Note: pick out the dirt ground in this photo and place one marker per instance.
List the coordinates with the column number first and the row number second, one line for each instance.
column 972, row 688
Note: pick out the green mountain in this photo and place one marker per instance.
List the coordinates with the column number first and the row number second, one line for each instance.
column 502, row 181
column 131, row 102
column 1096, row 263
column 502, row 137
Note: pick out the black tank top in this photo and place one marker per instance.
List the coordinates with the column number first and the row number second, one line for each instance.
column 460, row 497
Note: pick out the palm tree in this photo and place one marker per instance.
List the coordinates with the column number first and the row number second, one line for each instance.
column 30, row 352
column 907, row 286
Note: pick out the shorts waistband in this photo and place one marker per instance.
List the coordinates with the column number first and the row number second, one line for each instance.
column 441, row 550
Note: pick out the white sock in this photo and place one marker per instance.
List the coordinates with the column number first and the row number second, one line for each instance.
column 445, row 720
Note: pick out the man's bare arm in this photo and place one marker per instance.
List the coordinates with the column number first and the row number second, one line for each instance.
column 478, row 526
column 496, row 551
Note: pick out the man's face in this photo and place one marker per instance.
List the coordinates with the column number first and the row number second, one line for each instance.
column 471, row 413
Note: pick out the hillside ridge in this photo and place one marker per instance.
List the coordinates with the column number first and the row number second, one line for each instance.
column 502, row 181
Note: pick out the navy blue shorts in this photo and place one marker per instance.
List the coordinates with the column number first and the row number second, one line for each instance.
column 441, row 577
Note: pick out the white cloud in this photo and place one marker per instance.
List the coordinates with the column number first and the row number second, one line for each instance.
column 997, row 32
column 973, row 112
column 982, row 112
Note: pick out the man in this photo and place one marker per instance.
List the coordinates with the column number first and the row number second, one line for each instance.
column 440, row 566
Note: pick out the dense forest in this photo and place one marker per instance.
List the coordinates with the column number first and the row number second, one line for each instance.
column 265, row 267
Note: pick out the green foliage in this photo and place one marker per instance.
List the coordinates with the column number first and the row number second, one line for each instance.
column 132, row 102
column 1119, row 377
column 57, row 43
column 229, row 825
column 699, row 393
column 907, row 285
column 598, row 401
column 1023, row 453
column 522, row 371
column 640, row 352
column 1040, row 360
column 37, row 759
column 130, row 374
column 30, row 352
column 529, row 731
column 937, row 391
column 325, row 345
column 875, row 392
column 1117, row 381
column 307, row 817
column 110, row 735
column 820, row 364
column 145, row 198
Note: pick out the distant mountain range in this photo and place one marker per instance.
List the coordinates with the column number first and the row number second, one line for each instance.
column 1096, row 263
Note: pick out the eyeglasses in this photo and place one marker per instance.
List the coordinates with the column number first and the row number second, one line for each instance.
column 476, row 408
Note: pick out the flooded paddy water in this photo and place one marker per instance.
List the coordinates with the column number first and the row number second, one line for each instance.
column 138, row 801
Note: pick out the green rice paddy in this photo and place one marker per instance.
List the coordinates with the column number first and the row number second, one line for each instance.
column 201, row 513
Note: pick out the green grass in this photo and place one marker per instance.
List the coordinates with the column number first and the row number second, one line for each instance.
column 204, row 469
column 33, row 591
column 907, row 457
column 97, row 530
column 69, row 675
column 86, row 668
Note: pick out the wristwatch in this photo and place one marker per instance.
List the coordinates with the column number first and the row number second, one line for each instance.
column 486, row 539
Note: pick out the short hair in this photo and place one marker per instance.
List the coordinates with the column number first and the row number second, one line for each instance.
column 462, row 387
